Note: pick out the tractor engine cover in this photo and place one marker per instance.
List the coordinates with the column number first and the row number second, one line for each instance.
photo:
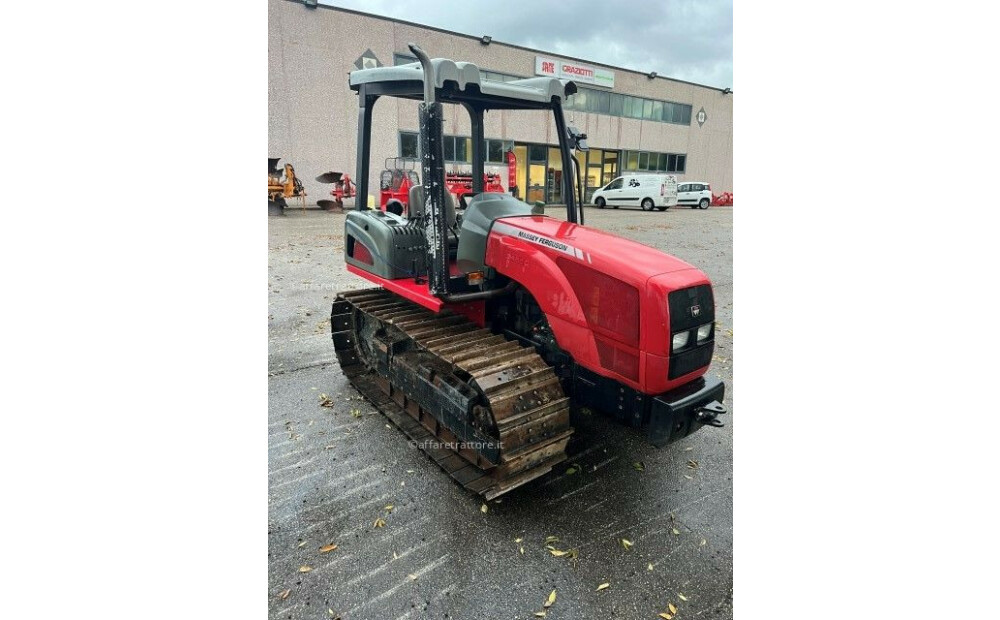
column 383, row 245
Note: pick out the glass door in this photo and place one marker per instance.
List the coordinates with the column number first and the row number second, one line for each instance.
column 610, row 166
column 554, row 177
column 536, row 174
column 521, row 170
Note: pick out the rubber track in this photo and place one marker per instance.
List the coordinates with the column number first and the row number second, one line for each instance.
column 519, row 398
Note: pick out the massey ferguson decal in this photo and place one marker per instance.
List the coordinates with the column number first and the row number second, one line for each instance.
column 506, row 229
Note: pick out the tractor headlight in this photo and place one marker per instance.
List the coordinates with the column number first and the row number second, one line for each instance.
column 704, row 331
column 680, row 341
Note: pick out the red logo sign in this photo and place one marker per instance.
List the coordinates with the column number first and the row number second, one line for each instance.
column 548, row 67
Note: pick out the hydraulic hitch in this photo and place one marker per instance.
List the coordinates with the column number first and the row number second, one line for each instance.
column 709, row 414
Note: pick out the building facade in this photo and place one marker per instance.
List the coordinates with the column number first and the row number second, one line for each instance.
column 634, row 121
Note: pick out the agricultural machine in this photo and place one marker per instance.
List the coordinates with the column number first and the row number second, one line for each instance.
column 400, row 175
column 343, row 187
column 487, row 325
column 282, row 184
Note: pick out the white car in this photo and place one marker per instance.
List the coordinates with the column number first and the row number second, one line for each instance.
column 697, row 194
column 648, row 191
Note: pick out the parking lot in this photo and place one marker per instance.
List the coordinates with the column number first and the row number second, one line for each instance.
column 335, row 470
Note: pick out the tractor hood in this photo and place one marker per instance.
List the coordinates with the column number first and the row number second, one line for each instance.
column 629, row 261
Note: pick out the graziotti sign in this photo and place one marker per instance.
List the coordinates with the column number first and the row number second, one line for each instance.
column 567, row 70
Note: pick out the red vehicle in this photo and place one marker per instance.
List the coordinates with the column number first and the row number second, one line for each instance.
column 487, row 325
column 397, row 179
column 395, row 182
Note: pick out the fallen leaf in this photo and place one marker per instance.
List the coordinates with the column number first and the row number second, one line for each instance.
column 551, row 539
column 703, row 541
column 356, row 413
column 302, row 544
column 671, row 607
column 683, row 598
column 333, row 614
column 693, row 464
column 539, row 614
column 328, row 548
column 410, row 471
column 558, row 553
column 517, row 540
column 389, row 508
column 689, row 448
column 602, row 586
column 688, row 477
column 484, row 509
column 572, row 470
column 305, row 569
column 284, row 594
column 649, row 567
column 379, row 522
column 550, row 600
column 522, row 550
column 665, row 616
column 639, row 465
column 413, row 577
column 675, row 531
column 394, row 556
column 626, row 543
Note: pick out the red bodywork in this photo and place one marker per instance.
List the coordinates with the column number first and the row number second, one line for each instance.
column 617, row 326
column 396, row 183
column 460, row 184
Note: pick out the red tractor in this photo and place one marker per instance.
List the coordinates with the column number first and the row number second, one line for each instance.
column 398, row 177
column 484, row 327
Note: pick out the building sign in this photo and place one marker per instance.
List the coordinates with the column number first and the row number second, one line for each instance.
column 701, row 117
column 368, row 60
column 566, row 70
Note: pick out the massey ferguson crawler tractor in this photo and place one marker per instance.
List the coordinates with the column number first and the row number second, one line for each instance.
column 485, row 329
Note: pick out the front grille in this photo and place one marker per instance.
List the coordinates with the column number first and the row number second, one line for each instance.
column 689, row 309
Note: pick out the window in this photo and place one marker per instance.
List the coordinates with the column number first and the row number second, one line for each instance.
column 632, row 159
column 494, row 151
column 536, row 152
column 681, row 161
column 643, row 161
column 617, row 103
column 671, row 163
column 409, row 145
column 449, row 148
column 616, row 184
column 402, row 59
column 647, row 109
column 661, row 163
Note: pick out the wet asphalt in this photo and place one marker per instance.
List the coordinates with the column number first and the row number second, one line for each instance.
column 333, row 471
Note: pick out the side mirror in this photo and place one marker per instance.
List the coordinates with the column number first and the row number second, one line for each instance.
column 577, row 138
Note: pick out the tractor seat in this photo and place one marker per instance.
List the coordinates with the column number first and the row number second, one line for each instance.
column 415, row 209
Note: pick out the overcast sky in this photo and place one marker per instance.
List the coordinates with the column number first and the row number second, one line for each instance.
column 684, row 39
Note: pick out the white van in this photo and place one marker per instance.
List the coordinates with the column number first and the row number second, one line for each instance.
column 648, row 191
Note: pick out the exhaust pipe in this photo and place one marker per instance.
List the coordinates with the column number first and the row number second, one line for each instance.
column 431, row 115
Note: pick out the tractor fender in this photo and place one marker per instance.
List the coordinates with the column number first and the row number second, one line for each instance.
column 532, row 268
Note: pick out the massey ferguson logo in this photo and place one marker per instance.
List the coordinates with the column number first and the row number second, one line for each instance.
column 695, row 310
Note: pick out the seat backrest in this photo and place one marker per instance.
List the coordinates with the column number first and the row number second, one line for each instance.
column 415, row 204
